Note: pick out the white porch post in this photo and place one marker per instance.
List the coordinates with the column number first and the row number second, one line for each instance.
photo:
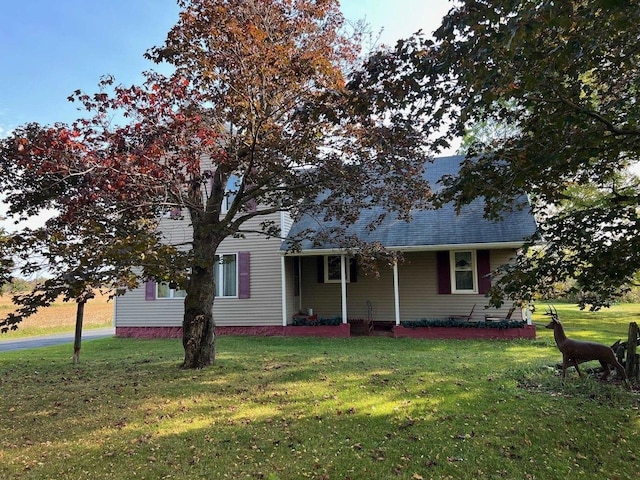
column 396, row 291
column 527, row 314
column 299, row 287
column 283, row 288
column 343, row 284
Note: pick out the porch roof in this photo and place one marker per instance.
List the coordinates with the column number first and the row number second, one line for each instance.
column 430, row 229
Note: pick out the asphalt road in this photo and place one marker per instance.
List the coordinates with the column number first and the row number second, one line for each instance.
column 48, row 340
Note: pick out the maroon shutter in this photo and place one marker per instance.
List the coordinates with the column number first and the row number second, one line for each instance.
column 320, row 269
column 150, row 290
column 244, row 280
column 484, row 270
column 353, row 267
column 444, row 273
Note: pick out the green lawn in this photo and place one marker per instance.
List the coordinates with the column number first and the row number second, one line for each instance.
column 295, row 408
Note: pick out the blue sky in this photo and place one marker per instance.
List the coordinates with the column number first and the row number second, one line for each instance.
column 49, row 48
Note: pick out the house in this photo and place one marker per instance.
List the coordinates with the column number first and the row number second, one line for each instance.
column 261, row 286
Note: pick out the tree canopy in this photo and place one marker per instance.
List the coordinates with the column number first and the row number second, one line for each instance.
column 266, row 94
column 564, row 78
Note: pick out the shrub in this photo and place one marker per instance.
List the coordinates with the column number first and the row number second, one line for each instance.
column 441, row 322
column 306, row 322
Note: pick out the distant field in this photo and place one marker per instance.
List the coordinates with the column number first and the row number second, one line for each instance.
column 60, row 317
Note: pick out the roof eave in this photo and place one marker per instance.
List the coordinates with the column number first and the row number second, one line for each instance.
column 413, row 248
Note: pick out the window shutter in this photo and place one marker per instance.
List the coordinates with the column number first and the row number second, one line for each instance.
column 353, row 273
column 484, row 271
column 444, row 273
column 244, row 280
column 320, row 269
column 150, row 290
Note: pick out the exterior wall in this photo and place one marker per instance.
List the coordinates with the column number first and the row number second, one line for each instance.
column 418, row 286
column 286, row 222
column 264, row 307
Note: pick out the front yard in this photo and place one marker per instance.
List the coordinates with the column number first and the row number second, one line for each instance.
column 290, row 408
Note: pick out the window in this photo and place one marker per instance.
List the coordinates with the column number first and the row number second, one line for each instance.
column 233, row 184
column 332, row 269
column 169, row 290
column 463, row 272
column 225, row 275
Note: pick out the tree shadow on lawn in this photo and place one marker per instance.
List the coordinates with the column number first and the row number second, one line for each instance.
column 389, row 407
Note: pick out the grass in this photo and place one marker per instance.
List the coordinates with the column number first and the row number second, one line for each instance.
column 292, row 408
column 59, row 317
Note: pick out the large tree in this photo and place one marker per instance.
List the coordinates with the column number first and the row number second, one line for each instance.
column 565, row 78
column 260, row 100
column 87, row 243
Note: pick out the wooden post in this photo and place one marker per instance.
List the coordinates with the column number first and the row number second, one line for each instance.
column 81, row 301
column 78, row 337
column 632, row 359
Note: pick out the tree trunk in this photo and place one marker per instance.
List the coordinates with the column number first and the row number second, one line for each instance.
column 632, row 346
column 78, row 337
column 198, row 326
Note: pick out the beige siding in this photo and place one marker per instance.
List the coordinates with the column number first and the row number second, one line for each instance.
column 418, row 286
column 262, row 308
column 286, row 223
column 265, row 305
column 176, row 231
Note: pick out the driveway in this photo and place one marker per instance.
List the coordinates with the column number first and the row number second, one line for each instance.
column 56, row 339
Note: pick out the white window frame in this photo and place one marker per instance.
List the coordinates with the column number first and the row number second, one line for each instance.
column 326, row 269
column 219, row 276
column 174, row 293
column 473, row 268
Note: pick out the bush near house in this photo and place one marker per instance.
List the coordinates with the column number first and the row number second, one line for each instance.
column 456, row 323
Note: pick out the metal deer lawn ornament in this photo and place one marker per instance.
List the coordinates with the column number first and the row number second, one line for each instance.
column 577, row 351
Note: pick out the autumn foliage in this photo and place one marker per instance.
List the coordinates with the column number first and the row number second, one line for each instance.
column 265, row 91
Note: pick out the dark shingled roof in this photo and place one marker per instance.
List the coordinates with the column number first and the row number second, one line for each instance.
column 430, row 228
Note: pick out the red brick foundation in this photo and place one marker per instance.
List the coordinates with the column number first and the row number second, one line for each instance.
column 337, row 331
column 528, row 332
column 329, row 331
column 149, row 332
